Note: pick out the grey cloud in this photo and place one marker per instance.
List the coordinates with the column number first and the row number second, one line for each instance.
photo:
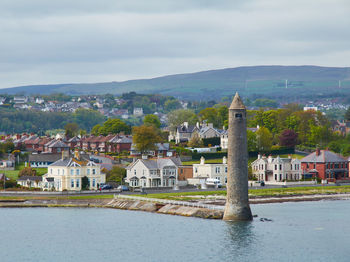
column 90, row 41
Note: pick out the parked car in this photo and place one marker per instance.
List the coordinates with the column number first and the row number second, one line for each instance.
column 122, row 188
column 213, row 182
column 106, row 187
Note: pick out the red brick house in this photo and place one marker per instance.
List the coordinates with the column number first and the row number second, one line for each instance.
column 119, row 144
column 326, row 165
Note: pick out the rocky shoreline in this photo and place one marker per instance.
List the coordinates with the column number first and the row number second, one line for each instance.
column 161, row 208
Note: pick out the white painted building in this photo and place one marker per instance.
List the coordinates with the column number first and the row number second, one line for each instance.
column 224, row 137
column 276, row 169
column 67, row 174
column 203, row 171
column 160, row 172
column 138, row 111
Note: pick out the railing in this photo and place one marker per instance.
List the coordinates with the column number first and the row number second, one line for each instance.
column 172, row 202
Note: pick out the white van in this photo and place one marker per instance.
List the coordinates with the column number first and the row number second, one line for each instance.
column 213, row 182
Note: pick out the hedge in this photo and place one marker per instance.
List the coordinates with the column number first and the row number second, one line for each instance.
column 282, row 151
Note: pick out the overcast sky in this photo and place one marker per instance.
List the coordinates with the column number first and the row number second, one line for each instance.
column 72, row 41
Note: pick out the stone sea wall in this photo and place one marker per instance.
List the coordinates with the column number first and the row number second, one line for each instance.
column 165, row 208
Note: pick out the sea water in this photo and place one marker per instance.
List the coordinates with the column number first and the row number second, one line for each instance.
column 303, row 231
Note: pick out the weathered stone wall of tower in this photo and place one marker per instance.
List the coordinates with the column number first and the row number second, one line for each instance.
column 237, row 202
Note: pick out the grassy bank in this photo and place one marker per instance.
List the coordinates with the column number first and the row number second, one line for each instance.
column 261, row 192
column 256, row 192
column 13, row 174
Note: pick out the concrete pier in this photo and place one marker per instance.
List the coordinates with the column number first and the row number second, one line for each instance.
column 237, row 203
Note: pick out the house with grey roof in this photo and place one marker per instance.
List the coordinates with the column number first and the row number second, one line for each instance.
column 276, row 169
column 55, row 146
column 224, row 136
column 185, row 132
column 30, row 181
column 159, row 172
column 161, row 150
column 68, row 172
column 43, row 160
column 326, row 165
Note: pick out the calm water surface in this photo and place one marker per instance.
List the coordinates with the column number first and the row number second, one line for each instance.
column 308, row 231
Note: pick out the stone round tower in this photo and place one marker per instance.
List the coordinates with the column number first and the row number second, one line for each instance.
column 237, row 202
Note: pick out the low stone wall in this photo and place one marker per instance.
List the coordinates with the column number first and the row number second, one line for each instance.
column 290, row 183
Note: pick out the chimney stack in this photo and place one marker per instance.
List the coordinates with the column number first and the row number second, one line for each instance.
column 318, row 151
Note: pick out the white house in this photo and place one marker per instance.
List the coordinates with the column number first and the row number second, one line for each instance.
column 203, row 171
column 160, row 172
column 224, row 136
column 276, row 169
column 185, row 132
column 30, row 181
column 67, row 173
column 138, row 111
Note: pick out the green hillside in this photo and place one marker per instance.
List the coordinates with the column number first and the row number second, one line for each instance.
column 214, row 84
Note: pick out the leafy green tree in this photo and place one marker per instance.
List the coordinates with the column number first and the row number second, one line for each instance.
column 87, row 118
column 116, row 174
column 152, row 120
column 264, row 139
column 210, row 115
column 85, row 183
column 335, row 146
column 347, row 114
column 71, row 130
column 27, row 171
column 145, row 138
column 263, row 102
column 319, row 135
column 195, row 141
column 111, row 126
column 346, row 150
column 177, row 117
column 251, row 140
column 95, row 130
column 171, row 105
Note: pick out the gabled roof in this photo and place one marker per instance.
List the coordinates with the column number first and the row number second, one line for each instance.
column 158, row 163
column 44, row 157
column 31, row 178
column 325, row 156
column 206, row 128
column 74, row 139
column 184, row 129
column 58, row 143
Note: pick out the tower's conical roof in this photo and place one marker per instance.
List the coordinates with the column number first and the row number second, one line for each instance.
column 237, row 103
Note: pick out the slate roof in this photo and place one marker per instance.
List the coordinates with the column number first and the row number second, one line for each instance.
column 58, row 143
column 158, row 163
column 124, row 140
column 67, row 161
column 44, row 157
column 74, row 139
column 325, row 156
column 31, row 178
column 184, row 129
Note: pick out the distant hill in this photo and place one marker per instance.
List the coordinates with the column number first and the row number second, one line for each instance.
column 214, row 84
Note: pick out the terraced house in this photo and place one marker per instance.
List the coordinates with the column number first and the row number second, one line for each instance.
column 68, row 172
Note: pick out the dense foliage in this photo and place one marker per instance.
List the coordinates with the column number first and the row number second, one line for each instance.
column 37, row 121
column 111, row 126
